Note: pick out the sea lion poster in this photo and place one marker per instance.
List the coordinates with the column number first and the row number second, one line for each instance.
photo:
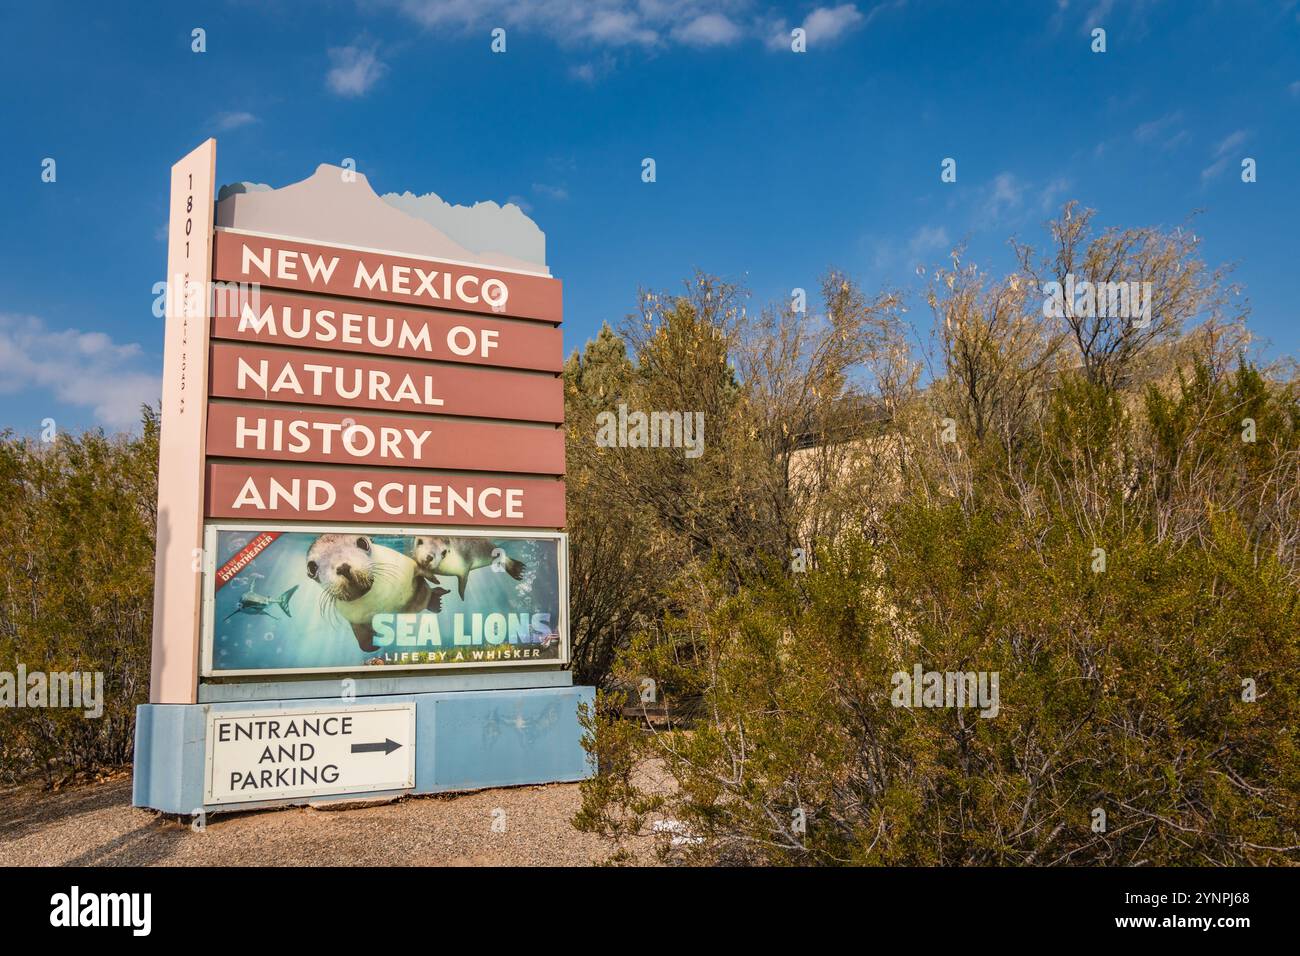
column 335, row 600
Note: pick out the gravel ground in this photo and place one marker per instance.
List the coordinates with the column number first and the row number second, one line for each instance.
column 95, row 825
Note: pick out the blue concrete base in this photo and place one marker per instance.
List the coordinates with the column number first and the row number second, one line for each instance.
column 464, row 740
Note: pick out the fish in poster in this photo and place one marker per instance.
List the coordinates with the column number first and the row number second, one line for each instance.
column 250, row 602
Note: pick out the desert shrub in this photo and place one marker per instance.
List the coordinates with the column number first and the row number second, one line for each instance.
column 1119, row 691
column 1106, row 515
column 77, row 520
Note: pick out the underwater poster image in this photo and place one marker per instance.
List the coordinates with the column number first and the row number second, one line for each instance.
column 344, row 599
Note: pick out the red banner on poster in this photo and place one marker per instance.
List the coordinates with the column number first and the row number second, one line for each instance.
column 231, row 568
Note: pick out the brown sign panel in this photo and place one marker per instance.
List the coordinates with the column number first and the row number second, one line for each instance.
column 278, row 433
column 284, row 492
column 285, row 318
column 285, row 264
column 315, row 378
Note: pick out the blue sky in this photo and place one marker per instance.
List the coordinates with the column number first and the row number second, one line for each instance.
column 771, row 165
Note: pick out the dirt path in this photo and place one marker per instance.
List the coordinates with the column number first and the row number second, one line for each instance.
column 95, row 825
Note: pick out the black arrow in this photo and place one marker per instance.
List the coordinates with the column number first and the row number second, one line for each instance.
column 388, row 746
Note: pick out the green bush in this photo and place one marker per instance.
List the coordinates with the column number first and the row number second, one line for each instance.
column 1127, row 567
column 1120, row 691
column 77, row 521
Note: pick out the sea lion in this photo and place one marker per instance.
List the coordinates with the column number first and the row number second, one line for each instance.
column 362, row 579
column 459, row 556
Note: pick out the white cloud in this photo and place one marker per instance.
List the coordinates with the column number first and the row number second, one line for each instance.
column 1107, row 14
column 824, row 26
column 636, row 23
column 1154, row 129
column 71, row 367
column 891, row 259
column 356, row 69
column 710, row 29
column 1010, row 199
column 1213, row 170
column 1230, row 142
column 521, row 202
column 224, row 122
column 1004, row 195
column 550, row 192
column 592, row 70
column 927, row 239
column 1052, row 193
column 613, row 23
column 827, row 24
column 619, row 28
column 1222, row 155
column 1294, row 88
column 1098, row 14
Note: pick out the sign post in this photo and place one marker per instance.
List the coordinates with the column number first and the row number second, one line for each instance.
column 362, row 577
column 177, row 581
